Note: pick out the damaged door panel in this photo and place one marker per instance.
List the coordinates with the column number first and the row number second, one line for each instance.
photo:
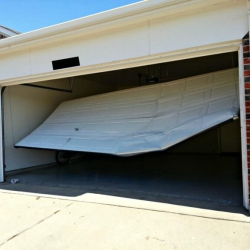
column 139, row 120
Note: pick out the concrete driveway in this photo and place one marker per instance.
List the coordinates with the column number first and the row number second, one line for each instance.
column 92, row 221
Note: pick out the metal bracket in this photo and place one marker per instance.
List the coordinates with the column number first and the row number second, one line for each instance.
column 71, row 84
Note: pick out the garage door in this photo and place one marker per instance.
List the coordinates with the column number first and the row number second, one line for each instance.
column 142, row 119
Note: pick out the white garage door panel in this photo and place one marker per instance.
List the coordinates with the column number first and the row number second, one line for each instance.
column 142, row 119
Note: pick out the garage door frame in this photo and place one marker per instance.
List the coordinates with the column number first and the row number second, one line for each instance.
column 243, row 128
column 1, row 141
column 192, row 53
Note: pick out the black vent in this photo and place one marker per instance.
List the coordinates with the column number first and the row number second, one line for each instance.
column 66, row 63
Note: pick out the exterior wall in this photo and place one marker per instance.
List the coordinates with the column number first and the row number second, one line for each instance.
column 153, row 38
column 25, row 108
column 246, row 55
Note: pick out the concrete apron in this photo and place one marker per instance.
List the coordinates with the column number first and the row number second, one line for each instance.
column 92, row 221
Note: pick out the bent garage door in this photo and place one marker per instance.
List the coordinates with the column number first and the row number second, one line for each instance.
column 143, row 34
column 142, row 119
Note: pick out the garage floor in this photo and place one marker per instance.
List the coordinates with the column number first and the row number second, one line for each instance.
column 208, row 180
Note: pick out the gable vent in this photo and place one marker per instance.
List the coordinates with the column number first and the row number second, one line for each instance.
column 66, row 63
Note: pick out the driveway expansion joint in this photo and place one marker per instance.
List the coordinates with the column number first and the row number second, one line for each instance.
column 39, row 222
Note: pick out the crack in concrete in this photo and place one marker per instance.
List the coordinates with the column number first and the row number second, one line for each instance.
column 39, row 222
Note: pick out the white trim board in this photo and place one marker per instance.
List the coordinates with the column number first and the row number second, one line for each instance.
column 243, row 130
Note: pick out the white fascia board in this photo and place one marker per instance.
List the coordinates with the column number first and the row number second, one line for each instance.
column 212, row 49
column 133, row 13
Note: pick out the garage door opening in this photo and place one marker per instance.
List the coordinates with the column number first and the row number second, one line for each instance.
column 193, row 170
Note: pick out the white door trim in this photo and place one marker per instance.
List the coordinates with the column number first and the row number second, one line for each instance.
column 1, row 141
column 243, row 129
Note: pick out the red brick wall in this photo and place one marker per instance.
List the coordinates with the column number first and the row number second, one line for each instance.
column 246, row 51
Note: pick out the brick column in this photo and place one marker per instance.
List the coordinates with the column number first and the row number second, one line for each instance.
column 246, row 56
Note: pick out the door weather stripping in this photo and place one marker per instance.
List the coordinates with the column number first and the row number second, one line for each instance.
column 140, row 120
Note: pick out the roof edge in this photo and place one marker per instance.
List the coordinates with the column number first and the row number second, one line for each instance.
column 8, row 32
column 104, row 18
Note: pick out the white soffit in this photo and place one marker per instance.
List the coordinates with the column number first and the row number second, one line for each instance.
column 142, row 119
